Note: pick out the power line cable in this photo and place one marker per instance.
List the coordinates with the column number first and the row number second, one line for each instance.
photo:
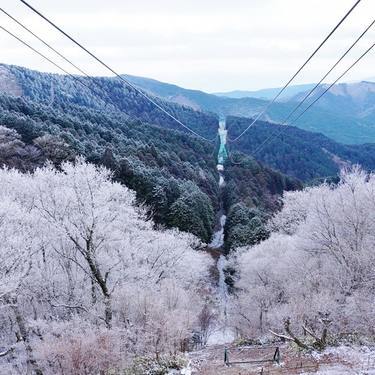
column 62, row 56
column 295, row 74
column 45, row 43
column 311, row 104
column 329, row 71
column 58, row 53
column 127, row 82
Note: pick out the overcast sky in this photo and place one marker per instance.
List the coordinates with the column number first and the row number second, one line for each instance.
column 212, row 45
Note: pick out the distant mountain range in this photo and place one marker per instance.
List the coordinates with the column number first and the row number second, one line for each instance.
column 267, row 93
column 345, row 114
column 270, row 93
column 313, row 149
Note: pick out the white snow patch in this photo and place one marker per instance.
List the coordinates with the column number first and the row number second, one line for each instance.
column 184, row 371
column 221, row 180
column 218, row 237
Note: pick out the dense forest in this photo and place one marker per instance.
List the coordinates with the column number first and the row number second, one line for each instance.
column 172, row 172
column 252, row 193
column 166, row 168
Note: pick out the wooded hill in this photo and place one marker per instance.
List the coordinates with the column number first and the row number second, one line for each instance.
column 109, row 94
column 296, row 152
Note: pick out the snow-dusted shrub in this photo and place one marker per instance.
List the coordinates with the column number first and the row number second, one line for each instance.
column 156, row 366
column 80, row 349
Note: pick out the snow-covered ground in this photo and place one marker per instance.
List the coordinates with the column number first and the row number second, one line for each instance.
column 222, row 333
column 185, row 371
column 348, row 360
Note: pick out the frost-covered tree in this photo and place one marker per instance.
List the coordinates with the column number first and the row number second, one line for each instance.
column 81, row 266
column 319, row 261
column 54, row 149
column 18, row 249
column 14, row 153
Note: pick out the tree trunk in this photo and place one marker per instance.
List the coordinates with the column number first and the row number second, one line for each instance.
column 101, row 281
column 32, row 366
column 108, row 311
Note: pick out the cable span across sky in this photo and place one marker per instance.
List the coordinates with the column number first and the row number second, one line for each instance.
column 328, row 72
column 284, row 122
column 311, row 104
column 297, row 72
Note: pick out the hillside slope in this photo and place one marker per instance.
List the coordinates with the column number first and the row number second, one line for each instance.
column 109, row 94
column 354, row 105
column 350, row 98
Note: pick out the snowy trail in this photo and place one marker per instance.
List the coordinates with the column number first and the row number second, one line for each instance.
column 221, row 333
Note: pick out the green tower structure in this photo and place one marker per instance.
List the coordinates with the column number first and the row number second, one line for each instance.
column 223, row 152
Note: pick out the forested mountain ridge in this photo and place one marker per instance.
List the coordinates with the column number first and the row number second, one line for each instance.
column 354, row 104
column 173, row 173
column 296, row 152
column 351, row 98
column 222, row 106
